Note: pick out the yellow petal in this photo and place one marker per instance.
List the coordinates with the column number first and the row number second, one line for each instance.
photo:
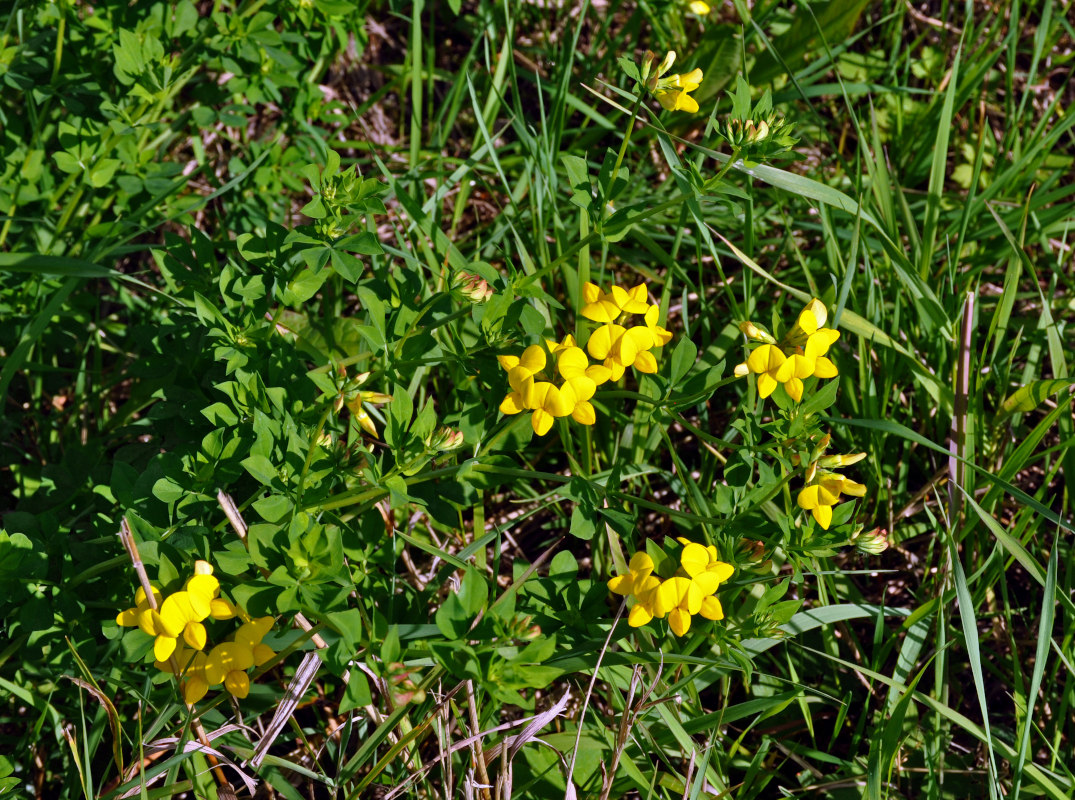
column 794, row 388
column 150, row 622
column 679, row 621
column 238, row 683
column 668, row 99
column 707, row 583
column 206, row 587
column 600, row 342
column 639, row 616
column 518, row 378
column 694, row 558
column 767, row 358
column 819, row 343
column 163, row 647
column 571, row 362
column 512, row 404
column 194, row 635
column 194, row 689
column 584, row 413
column 645, row 362
column 582, row 387
column 641, row 564
column 263, row 654
column 600, row 311
column 598, row 373
column 687, row 103
column 591, row 292
column 711, row 608
column 823, row 515
column 221, row 609
column 672, row 593
column 541, row 422
column 225, row 658
column 128, row 618
column 691, row 81
column 721, row 570
column 559, row 400
column 850, row 487
column 533, row 358
column 252, row 632
column 824, row 368
column 620, row 584
column 180, row 608
column 807, row 498
column 637, row 300
column 766, row 384
column 699, row 8
column 203, row 568
column 508, row 362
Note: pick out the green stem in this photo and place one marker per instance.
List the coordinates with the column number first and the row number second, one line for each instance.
column 622, row 153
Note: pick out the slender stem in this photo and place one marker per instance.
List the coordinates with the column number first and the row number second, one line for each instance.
column 623, row 151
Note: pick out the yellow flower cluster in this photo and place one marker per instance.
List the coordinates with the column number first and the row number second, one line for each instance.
column 572, row 384
column 692, row 590
column 616, row 343
column 177, row 624
column 226, row 663
column 570, row 397
column 800, row 354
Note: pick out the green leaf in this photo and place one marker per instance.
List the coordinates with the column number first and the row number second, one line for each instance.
column 261, row 469
column 357, row 694
column 1030, row 396
column 683, row 358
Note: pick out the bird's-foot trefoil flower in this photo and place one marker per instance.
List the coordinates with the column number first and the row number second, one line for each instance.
column 617, row 343
column 824, row 492
column 691, row 590
column 799, row 354
column 640, row 586
column 547, row 400
column 671, row 91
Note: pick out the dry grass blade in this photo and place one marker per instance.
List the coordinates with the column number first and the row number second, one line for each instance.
column 304, row 676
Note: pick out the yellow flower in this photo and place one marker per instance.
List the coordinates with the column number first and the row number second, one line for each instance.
column 680, row 598
column 798, row 355
column 767, row 362
column 130, row 617
column 641, row 584
column 545, row 399
column 705, row 568
column 228, row 662
column 191, row 671
column 673, row 92
column 182, row 613
column 820, row 496
column 602, row 307
column 698, row 7
column 619, row 346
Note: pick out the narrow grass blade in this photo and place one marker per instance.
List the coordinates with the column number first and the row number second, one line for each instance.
column 1045, row 629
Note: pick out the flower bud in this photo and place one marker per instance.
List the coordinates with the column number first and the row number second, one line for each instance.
column 473, row 287
column 752, row 331
column 445, row 438
column 840, row 460
column 874, row 542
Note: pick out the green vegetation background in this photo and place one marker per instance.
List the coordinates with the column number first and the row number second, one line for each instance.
column 217, row 217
